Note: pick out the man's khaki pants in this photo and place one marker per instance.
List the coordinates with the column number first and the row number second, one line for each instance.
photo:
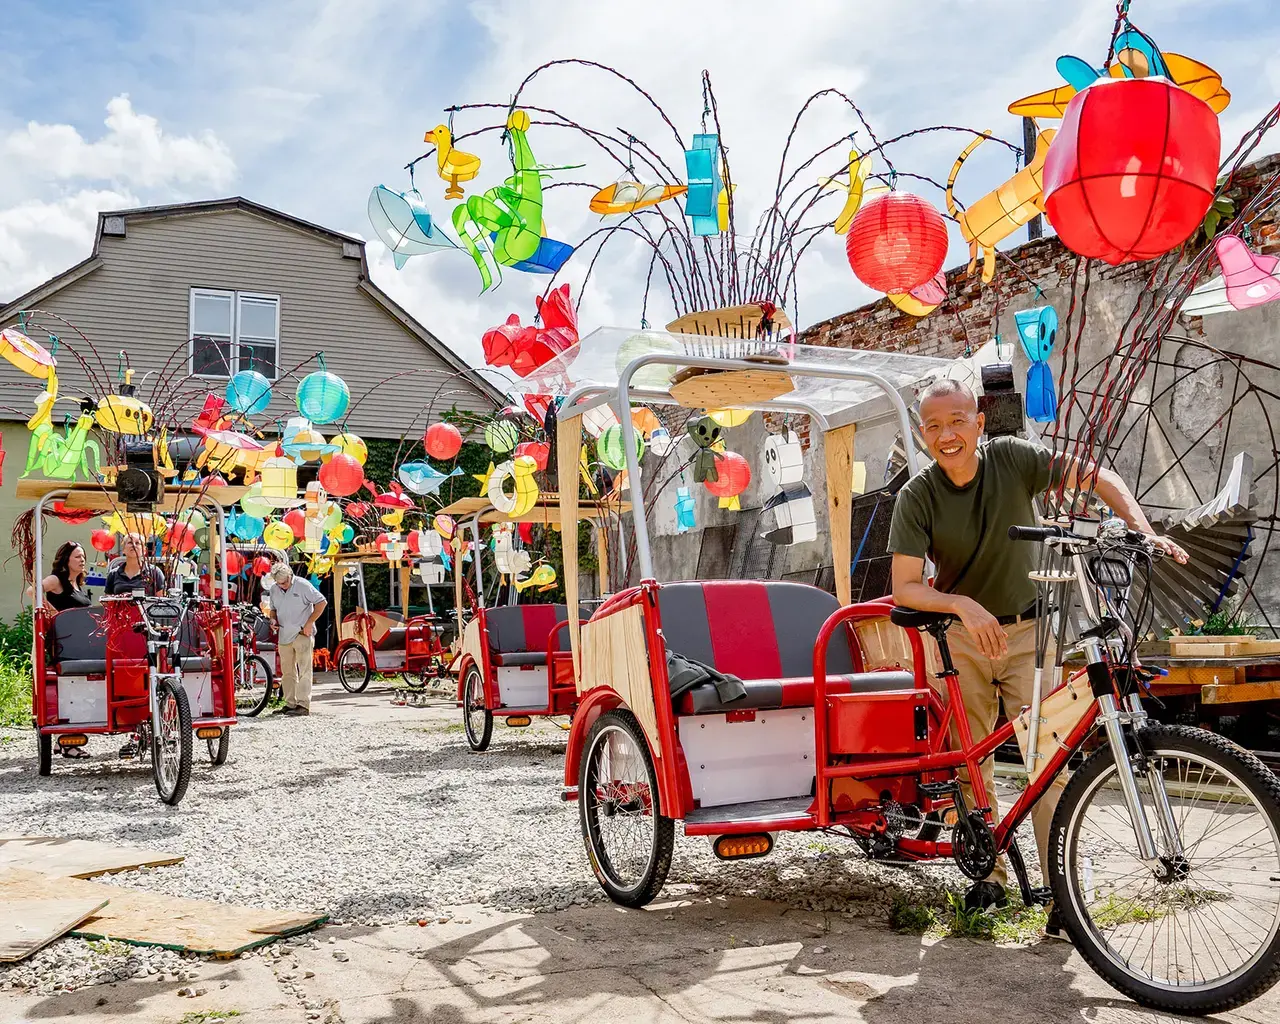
column 295, row 671
column 984, row 682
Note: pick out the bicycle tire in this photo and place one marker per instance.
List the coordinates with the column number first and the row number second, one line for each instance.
column 44, row 752
column 219, row 748
column 354, row 678
column 1262, row 970
column 250, row 663
column 173, row 795
column 478, row 736
column 658, row 861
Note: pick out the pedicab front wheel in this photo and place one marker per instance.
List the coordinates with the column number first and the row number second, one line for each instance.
column 171, row 745
column 628, row 839
column 220, row 747
column 44, row 746
column 353, row 668
column 477, row 720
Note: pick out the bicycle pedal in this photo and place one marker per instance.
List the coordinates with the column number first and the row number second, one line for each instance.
column 936, row 789
column 1042, row 895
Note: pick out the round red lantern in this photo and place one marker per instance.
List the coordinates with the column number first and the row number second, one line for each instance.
column 1132, row 170
column 896, row 242
column 442, row 441
column 296, row 521
column 261, row 565
column 539, row 451
column 102, row 540
column 179, row 537
column 341, row 475
column 235, row 563
column 733, row 474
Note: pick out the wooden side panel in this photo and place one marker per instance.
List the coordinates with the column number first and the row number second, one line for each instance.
column 568, row 445
column 471, row 643
column 614, row 654
column 885, row 645
column 1060, row 712
column 838, row 444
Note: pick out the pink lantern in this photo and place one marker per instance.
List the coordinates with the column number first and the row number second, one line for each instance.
column 1251, row 279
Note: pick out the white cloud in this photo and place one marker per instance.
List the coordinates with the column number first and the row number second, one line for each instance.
column 135, row 150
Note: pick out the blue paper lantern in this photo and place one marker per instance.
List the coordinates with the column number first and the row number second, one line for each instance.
column 1037, row 330
column 684, row 510
column 1042, row 400
column 702, row 168
column 249, row 527
column 323, row 397
column 248, row 392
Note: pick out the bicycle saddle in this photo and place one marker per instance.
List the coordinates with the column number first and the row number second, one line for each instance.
column 911, row 618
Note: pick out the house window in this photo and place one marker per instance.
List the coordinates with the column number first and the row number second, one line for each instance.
column 234, row 331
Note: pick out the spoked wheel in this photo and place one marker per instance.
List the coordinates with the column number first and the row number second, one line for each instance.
column 1199, row 932
column 353, row 668
column 477, row 720
column 171, row 746
column 219, row 748
column 44, row 748
column 416, row 681
column 628, row 840
column 253, row 686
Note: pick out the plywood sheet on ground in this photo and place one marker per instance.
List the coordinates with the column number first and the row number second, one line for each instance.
column 154, row 919
column 76, row 858
column 27, row 925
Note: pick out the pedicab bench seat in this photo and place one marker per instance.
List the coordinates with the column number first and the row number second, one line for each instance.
column 764, row 633
column 518, row 634
column 77, row 642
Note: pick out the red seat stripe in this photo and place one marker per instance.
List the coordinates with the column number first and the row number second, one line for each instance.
column 539, row 620
column 742, row 634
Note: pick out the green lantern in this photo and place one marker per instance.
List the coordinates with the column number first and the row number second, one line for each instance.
column 610, row 450
column 501, row 435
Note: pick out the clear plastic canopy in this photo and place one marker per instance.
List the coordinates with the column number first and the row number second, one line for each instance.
column 599, row 359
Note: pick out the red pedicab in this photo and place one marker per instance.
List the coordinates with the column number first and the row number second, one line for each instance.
column 160, row 667
column 513, row 660
column 1166, row 840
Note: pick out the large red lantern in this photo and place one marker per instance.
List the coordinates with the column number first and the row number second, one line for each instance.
column 235, row 563
column 896, row 242
column 1133, row 169
column 539, row 451
column 102, row 540
column 342, row 475
column 179, row 538
column 442, row 441
column 296, row 521
column 733, row 474
column 262, row 565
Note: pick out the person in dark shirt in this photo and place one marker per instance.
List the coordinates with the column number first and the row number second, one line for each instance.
column 64, row 586
column 957, row 512
column 134, row 573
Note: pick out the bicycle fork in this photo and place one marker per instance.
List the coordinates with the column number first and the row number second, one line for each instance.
column 1113, row 723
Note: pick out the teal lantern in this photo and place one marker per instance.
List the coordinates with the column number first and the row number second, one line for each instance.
column 323, row 396
column 501, row 435
column 610, row 450
column 346, row 534
column 248, row 392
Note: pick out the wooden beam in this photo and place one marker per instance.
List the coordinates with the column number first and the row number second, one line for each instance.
column 568, row 448
column 838, row 445
column 1238, row 693
column 602, row 558
column 457, row 581
column 404, row 590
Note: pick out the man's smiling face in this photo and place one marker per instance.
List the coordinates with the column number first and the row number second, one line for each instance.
column 951, row 425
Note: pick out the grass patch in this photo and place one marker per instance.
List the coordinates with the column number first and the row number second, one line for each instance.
column 207, row 1016
column 15, row 692
column 109, row 947
column 1014, row 923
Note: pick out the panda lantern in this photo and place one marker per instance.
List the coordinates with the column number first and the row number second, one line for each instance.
column 793, row 504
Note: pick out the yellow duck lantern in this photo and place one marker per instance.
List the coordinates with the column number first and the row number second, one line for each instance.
column 453, row 165
column 525, row 493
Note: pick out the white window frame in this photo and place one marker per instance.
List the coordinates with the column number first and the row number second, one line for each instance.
column 236, row 297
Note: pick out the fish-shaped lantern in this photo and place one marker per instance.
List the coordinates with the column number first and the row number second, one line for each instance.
column 423, row 478
column 403, row 224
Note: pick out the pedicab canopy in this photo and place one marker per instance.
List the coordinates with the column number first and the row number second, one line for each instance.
column 745, row 364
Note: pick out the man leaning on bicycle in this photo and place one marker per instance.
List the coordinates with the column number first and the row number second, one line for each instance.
column 957, row 512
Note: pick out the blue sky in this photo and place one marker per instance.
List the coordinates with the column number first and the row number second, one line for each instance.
column 305, row 106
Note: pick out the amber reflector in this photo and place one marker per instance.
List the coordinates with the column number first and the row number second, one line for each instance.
column 208, row 732
column 739, row 847
column 72, row 741
column 518, row 721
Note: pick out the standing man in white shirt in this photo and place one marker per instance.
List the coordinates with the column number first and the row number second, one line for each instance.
column 295, row 605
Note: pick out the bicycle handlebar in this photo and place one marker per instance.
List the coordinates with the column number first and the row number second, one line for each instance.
column 1037, row 533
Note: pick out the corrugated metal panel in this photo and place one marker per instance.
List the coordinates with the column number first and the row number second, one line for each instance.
column 139, row 302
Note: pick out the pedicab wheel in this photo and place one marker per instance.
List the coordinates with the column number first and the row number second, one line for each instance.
column 171, row 745
column 416, row 681
column 219, row 748
column 477, row 720
column 253, row 686
column 353, row 668
column 1139, row 926
column 628, row 839
column 44, row 747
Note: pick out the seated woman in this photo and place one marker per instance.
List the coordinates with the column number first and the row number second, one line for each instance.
column 133, row 574
column 64, row 586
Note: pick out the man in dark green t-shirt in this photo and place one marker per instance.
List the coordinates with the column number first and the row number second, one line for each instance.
column 958, row 512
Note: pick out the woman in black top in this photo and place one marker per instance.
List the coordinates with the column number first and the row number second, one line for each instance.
column 64, row 586
column 134, row 574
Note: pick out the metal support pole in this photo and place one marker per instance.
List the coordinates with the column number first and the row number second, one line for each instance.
column 1035, row 226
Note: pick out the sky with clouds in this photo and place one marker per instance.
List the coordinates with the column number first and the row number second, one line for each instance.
column 304, row 105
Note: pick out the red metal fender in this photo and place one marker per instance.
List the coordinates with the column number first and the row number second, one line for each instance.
column 463, row 662
column 593, row 704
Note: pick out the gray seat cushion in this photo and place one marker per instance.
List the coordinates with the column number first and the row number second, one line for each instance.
column 80, row 667
column 514, row 658
column 393, row 640
column 797, row 692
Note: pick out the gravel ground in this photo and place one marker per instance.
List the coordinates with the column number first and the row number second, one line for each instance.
column 379, row 815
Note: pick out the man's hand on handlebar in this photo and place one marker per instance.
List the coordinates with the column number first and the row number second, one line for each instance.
column 1166, row 546
column 989, row 635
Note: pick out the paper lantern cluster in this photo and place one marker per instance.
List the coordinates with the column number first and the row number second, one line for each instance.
column 897, row 241
column 1133, row 169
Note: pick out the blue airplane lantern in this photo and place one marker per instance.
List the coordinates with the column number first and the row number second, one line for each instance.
column 702, row 168
column 1038, row 332
column 684, row 510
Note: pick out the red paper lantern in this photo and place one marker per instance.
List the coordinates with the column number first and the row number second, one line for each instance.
column 442, row 441
column 261, row 565
column 179, row 537
column 102, row 540
column 414, row 541
column 235, row 563
column 381, row 541
column 1132, row 170
column 896, row 242
column 733, row 474
column 341, row 475
column 539, row 451
column 296, row 521
column 357, row 510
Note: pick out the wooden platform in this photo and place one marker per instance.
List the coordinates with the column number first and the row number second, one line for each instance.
column 29, row 925
column 59, row 857
column 100, row 498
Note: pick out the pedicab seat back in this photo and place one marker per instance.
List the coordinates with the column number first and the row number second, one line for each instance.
column 763, row 632
column 78, row 642
column 519, row 634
